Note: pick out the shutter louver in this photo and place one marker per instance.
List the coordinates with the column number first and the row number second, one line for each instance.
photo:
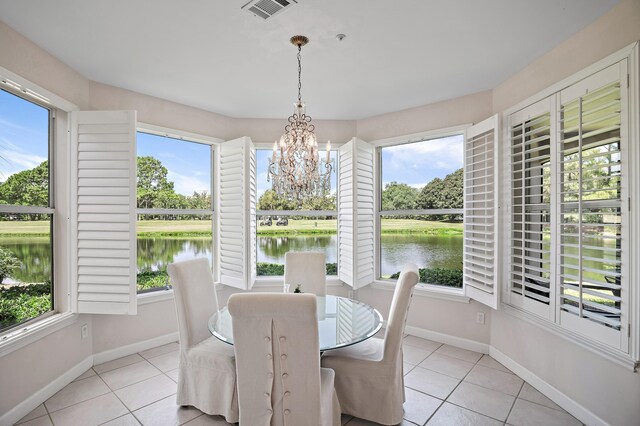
column 531, row 134
column 356, row 214
column 480, row 212
column 103, row 201
column 593, row 230
column 237, row 213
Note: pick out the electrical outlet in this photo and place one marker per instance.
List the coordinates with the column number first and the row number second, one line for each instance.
column 480, row 318
column 84, row 331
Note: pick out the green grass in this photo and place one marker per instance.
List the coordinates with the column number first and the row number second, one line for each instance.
column 195, row 228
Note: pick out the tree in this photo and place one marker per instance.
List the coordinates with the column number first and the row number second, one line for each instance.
column 447, row 193
column 399, row 196
column 27, row 188
column 270, row 200
column 9, row 262
column 152, row 182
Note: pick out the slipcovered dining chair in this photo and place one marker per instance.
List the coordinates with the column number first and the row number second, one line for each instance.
column 369, row 378
column 207, row 368
column 307, row 269
column 280, row 381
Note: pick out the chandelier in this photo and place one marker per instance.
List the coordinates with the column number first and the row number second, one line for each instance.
column 295, row 169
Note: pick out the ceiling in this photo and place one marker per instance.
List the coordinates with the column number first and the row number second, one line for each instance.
column 213, row 55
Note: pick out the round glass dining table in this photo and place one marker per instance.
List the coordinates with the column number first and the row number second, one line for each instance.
column 341, row 322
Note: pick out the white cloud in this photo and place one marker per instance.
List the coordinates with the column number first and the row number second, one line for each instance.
column 14, row 159
column 186, row 185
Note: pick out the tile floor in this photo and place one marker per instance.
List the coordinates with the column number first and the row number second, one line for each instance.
column 444, row 386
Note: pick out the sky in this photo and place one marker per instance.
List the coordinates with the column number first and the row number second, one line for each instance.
column 24, row 135
column 24, row 145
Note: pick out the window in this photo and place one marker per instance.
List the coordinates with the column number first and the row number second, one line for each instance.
column 421, row 202
column 284, row 226
column 174, row 205
column 26, row 211
column 569, row 188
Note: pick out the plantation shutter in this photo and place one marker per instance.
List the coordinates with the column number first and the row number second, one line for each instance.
column 532, row 155
column 103, row 212
column 593, row 212
column 480, row 212
column 237, row 213
column 356, row 214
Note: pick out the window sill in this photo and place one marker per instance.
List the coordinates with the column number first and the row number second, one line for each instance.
column 154, row 297
column 426, row 290
column 278, row 280
column 28, row 334
column 595, row 347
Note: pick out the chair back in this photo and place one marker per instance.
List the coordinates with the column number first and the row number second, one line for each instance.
column 196, row 300
column 308, row 269
column 394, row 332
column 277, row 351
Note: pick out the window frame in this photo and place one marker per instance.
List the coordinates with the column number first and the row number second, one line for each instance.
column 32, row 97
column 434, row 290
column 150, row 295
column 631, row 359
column 272, row 279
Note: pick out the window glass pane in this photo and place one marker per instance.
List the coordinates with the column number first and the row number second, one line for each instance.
column 25, row 267
column 24, row 152
column 432, row 242
column 172, row 174
column 278, row 234
column 166, row 239
column 423, row 175
column 295, row 233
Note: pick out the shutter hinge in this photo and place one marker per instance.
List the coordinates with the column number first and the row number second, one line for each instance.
column 628, row 80
column 629, row 330
column 53, row 113
column 629, row 200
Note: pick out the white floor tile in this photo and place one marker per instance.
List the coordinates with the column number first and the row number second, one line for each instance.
column 450, row 366
column 166, row 362
column 418, row 406
column 129, row 375
column 406, row 367
column 148, row 391
column 495, row 379
column 173, row 375
column 482, row 400
column 418, row 342
column 166, row 413
column 462, row 354
column 487, row 361
column 117, row 363
column 160, row 350
column 75, row 392
column 452, row 415
column 39, row 411
column 92, row 412
column 430, row 382
column 86, row 374
column 527, row 413
column 414, row 355
column 126, row 420
column 531, row 394
column 39, row 421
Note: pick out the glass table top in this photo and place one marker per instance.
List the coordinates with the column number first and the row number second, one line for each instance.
column 341, row 322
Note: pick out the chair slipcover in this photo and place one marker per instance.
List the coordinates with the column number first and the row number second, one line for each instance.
column 369, row 377
column 308, row 269
column 207, row 370
column 280, row 381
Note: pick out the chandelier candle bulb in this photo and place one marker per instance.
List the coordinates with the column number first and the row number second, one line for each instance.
column 328, row 151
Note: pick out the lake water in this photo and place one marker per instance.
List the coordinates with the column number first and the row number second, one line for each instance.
column 157, row 253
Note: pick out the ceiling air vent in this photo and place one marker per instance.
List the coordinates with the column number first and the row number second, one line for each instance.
column 266, row 9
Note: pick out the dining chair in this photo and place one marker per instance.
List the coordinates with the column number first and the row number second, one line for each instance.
column 207, row 369
column 308, row 269
column 369, row 378
column 280, row 382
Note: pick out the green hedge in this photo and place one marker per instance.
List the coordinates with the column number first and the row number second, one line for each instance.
column 20, row 303
column 152, row 279
column 439, row 276
column 271, row 269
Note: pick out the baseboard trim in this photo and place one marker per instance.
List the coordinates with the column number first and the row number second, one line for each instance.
column 32, row 402
column 575, row 409
column 133, row 348
column 459, row 342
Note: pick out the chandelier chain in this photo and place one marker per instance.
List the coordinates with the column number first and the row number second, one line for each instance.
column 299, row 72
